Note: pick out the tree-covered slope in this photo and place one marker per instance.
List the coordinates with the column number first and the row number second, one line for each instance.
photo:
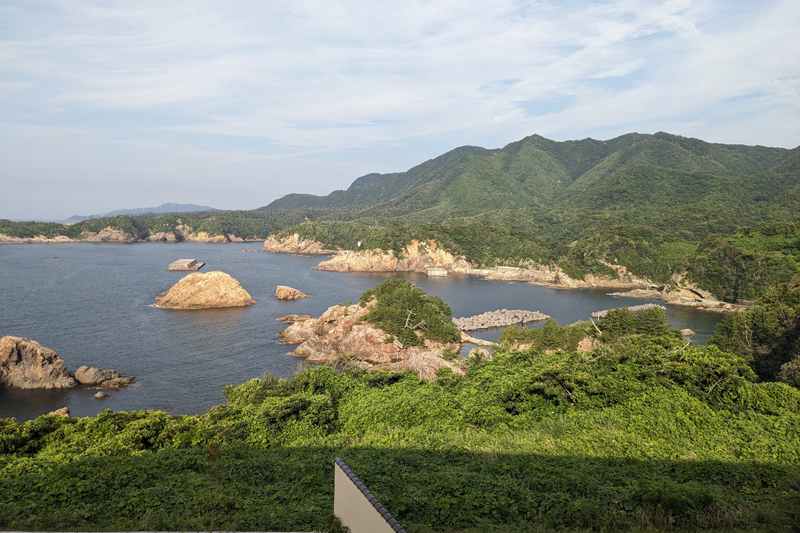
column 536, row 172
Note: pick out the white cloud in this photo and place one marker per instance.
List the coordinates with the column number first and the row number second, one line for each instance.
column 248, row 83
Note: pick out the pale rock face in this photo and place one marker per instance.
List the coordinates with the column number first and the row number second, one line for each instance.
column 64, row 411
column 5, row 239
column 338, row 332
column 295, row 245
column 204, row 291
column 26, row 364
column 294, row 318
column 415, row 257
column 107, row 379
column 298, row 332
column 288, row 293
column 162, row 236
column 110, row 234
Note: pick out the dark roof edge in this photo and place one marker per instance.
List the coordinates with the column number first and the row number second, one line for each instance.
column 371, row 498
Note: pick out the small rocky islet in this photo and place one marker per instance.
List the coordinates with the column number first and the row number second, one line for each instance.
column 205, row 291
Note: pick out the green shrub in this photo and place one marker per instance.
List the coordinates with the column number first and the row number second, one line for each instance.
column 407, row 313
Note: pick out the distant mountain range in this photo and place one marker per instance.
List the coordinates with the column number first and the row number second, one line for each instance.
column 630, row 170
column 163, row 208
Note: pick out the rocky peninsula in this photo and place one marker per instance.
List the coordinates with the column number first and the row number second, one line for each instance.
column 340, row 331
column 26, row 364
column 205, row 291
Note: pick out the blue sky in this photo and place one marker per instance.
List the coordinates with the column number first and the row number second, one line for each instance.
column 118, row 104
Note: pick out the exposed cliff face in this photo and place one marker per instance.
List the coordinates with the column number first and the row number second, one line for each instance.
column 415, row 257
column 110, row 234
column 204, row 291
column 184, row 233
column 337, row 332
column 293, row 244
column 26, row 364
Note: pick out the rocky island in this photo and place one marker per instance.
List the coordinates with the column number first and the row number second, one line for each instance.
column 205, row 291
column 395, row 325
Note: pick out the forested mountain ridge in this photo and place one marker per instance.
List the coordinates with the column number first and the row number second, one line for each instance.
column 537, row 172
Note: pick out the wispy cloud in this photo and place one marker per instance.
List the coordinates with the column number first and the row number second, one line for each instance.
column 364, row 86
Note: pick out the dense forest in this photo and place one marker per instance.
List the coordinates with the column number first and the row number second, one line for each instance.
column 643, row 432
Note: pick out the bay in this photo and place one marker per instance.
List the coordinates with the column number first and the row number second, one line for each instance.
column 91, row 303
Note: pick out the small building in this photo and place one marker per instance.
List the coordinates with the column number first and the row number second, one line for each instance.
column 185, row 264
column 435, row 272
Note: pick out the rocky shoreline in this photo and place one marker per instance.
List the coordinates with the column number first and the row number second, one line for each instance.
column 419, row 256
column 181, row 233
column 416, row 257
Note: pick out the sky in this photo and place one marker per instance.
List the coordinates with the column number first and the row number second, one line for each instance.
column 116, row 104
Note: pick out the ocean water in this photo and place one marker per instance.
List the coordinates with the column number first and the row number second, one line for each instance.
column 91, row 303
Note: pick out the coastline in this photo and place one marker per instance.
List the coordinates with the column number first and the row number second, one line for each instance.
column 60, row 239
column 417, row 257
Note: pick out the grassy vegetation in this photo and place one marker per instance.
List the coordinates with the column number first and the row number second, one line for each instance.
column 643, row 433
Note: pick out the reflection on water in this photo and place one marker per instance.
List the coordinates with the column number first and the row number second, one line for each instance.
column 93, row 307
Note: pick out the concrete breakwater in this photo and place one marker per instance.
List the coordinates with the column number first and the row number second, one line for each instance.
column 498, row 319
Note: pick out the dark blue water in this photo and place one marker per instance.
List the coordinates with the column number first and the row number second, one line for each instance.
column 92, row 306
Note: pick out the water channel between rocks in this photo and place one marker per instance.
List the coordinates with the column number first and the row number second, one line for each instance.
column 92, row 306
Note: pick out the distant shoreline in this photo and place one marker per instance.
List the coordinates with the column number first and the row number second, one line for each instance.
column 5, row 239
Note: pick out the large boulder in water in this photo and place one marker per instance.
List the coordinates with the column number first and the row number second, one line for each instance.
column 26, row 364
column 204, row 291
column 107, row 379
column 288, row 293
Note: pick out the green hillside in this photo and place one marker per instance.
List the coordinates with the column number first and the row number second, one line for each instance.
column 536, row 172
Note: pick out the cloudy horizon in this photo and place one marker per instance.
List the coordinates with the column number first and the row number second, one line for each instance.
column 112, row 105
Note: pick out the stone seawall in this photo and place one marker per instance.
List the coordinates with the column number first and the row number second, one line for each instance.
column 498, row 319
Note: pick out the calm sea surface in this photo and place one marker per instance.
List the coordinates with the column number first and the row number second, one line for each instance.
column 92, row 306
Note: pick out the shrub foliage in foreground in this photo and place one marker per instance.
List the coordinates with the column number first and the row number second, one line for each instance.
column 646, row 432
column 638, row 434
